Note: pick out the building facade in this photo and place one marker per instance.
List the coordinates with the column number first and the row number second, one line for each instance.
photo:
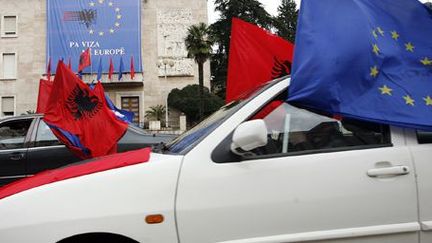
column 165, row 66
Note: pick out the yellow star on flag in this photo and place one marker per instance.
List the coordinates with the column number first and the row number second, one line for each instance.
column 385, row 90
column 91, row 32
column 374, row 71
column 117, row 24
column 117, row 10
column 101, row 33
column 408, row 100
column 119, row 16
column 395, row 35
column 409, row 47
column 111, row 30
column 374, row 34
column 380, row 31
column 91, row 4
column 376, row 49
column 428, row 100
column 110, row 4
column 426, row 61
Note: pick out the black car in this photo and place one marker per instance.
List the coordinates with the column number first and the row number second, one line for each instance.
column 27, row 146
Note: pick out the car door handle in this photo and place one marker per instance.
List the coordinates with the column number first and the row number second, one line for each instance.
column 388, row 171
column 16, row 156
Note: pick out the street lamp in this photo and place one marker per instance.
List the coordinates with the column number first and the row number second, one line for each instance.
column 164, row 63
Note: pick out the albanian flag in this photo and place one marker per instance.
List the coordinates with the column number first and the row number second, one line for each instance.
column 132, row 68
column 85, row 60
column 111, row 69
column 74, row 109
column 255, row 56
column 45, row 88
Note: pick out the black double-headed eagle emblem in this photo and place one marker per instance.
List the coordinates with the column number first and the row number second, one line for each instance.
column 82, row 104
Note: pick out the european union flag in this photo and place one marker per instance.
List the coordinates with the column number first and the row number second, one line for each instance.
column 365, row 59
column 75, row 25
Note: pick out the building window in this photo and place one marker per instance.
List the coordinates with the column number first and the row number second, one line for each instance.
column 7, row 106
column 9, row 26
column 9, row 65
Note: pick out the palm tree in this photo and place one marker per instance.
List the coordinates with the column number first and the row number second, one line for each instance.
column 199, row 46
column 155, row 112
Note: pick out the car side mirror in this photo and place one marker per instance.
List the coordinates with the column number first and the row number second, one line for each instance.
column 248, row 136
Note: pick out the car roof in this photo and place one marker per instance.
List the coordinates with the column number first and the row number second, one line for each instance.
column 21, row 117
column 131, row 127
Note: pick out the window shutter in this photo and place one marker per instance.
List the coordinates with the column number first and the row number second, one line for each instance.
column 7, row 104
column 9, row 25
column 9, row 65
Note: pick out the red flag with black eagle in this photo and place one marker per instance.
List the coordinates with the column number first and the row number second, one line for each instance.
column 255, row 57
column 85, row 60
column 75, row 108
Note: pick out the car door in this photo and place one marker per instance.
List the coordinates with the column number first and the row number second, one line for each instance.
column 333, row 183
column 14, row 135
column 46, row 151
column 421, row 150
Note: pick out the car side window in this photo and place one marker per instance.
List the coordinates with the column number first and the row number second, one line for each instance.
column 44, row 136
column 424, row 136
column 13, row 133
column 294, row 130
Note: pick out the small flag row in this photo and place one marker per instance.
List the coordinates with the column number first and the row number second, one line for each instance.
column 85, row 61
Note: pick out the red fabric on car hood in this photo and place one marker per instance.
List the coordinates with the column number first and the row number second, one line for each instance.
column 75, row 170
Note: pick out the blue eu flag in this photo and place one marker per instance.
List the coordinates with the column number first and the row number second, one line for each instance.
column 365, row 59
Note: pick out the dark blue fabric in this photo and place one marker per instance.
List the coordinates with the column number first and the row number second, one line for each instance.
column 365, row 59
column 123, row 115
column 73, row 139
column 108, row 28
column 99, row 72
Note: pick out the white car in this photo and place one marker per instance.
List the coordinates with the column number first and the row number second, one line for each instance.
column 258, row 170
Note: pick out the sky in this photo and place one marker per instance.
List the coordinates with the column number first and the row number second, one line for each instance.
column 269, row 5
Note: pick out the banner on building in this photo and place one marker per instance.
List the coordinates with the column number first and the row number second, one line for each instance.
column 110, row 28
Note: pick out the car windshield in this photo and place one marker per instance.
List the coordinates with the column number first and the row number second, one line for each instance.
column 189, row 139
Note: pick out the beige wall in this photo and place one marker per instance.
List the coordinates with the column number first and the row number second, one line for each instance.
column 30, row 49
column 159, row 18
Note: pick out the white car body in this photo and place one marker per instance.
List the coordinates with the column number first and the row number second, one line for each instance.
column 318, row 197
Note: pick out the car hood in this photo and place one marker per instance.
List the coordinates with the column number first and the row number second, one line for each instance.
column 117, row 191
column 83, row 168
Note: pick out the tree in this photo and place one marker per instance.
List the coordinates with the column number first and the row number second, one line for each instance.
column 199, row 47
column 286, row 20
column 186, row 101
column 248, row 10
column 155, row 112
